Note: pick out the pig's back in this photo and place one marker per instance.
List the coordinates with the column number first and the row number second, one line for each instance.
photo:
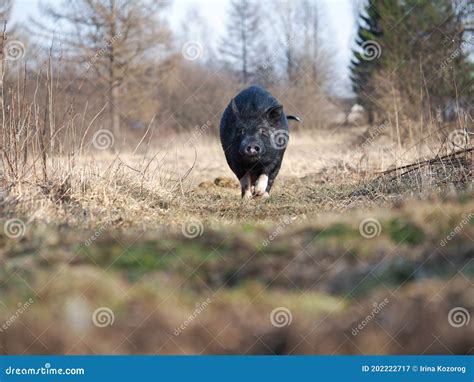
column 251, row 103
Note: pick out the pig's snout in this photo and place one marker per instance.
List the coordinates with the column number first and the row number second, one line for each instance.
column 252, row 149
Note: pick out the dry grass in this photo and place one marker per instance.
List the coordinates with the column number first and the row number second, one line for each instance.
column 150, row 227
column 323, row 271
column 113, row 230
column 175, row 183
column 149, row 230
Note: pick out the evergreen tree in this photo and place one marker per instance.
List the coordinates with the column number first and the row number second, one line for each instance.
column 422, row 59
column 426, row 50
column 365, row 60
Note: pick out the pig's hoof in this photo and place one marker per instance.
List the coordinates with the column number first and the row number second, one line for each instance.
column 261, row 185
column 247, row 195
column 262, row 194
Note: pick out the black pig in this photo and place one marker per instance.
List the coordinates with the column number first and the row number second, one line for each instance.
column 254, row 136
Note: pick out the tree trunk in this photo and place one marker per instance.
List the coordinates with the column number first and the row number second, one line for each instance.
column 113, row 111
column 244, row 57
column 113, row 79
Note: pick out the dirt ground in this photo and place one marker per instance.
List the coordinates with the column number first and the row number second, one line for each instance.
column 153, row 252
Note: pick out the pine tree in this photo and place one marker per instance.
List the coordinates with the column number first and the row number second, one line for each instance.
column 365, row 60
column 426, row 50
column 421, row 62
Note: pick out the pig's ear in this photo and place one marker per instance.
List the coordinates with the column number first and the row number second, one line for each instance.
column 294, row 118
column 274, row 114
column 234, row 107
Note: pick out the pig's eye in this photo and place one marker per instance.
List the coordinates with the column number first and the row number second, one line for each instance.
column 264, row 132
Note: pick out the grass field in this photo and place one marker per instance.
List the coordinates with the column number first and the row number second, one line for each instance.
column 152, row 251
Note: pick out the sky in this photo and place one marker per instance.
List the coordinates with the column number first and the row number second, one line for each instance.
column 337, row 15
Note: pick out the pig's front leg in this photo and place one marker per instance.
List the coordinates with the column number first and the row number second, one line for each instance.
column 271, row 179
column 246, row 186
column 261, row 186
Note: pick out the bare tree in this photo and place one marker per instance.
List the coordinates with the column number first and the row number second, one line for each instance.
column 298, row 25
column 312, row 58
column 112, row 39
column 5, row 10
column 466, row 9
column 287, row 26
column 241, row 46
